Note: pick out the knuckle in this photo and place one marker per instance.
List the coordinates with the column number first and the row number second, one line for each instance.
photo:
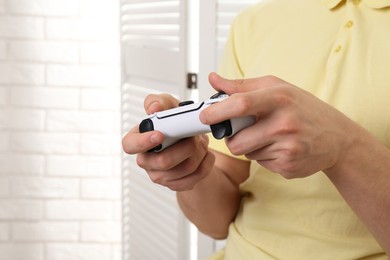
column 125, row 146
column 140, row 161
column 287, row 125
column 179, row 186
column 271, row 79
column 295, row 150
column 163, row 162
column 149, row 99
column 156, row 178
column 127, row 143
column 236, row 148
column 238, row 82
column 242, row 103
column 282, row 168
column 288, row 170
column 168, row 101
column 284, row 98
column 191, row 165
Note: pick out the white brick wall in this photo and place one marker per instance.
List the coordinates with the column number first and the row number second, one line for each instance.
column 59, row 130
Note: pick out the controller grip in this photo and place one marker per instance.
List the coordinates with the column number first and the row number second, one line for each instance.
column 146, row 126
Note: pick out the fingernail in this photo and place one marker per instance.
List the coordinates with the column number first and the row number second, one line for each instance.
column 202, row 118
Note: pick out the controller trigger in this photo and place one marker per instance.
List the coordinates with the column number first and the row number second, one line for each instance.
column 222, row 129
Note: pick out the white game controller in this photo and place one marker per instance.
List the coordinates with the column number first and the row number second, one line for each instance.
column 183, row 122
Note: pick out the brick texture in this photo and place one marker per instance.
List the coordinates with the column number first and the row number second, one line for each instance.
column 60, row 130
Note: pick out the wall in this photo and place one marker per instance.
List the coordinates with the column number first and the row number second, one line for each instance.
column 59, row 130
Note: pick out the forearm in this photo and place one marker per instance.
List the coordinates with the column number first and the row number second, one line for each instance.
column 214, row 202
column 363, row 179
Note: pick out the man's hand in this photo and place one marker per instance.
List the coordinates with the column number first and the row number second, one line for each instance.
column 296, row 134
column 178, row 167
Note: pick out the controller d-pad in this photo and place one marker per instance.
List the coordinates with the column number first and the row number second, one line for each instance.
column 222, row 129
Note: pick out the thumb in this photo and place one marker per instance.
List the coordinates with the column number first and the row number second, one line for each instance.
column 158, row 102
column 241, row 85
column 226, row 85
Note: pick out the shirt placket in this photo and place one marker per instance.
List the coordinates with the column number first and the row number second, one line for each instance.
column 341, row 47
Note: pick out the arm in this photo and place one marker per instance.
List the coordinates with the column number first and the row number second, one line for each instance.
column 206, row 182
column 298, row 135
column 362, row 177
column 214, row 202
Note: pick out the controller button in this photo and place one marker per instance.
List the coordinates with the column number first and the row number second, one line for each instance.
column 185, row 103
column 217, row 95
column 222, row 129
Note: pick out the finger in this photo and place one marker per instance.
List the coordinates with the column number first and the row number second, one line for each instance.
column 242, row 85
column 158, row 102
column 172, row 156
column 181, row 171
column 244, row 143
column 259, row 103
column 134, row 142
column 194, row 159
column 167, row 167
column 221, row 84
column 189, row 181
column 256, row 104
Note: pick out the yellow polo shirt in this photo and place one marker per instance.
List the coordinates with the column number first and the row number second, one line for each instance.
column 339, row 51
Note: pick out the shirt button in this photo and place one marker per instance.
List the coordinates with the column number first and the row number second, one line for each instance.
column 349, row 24
column 356, row 2
column 338, row 48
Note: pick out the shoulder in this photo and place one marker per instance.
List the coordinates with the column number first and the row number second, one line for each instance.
column 277, row 11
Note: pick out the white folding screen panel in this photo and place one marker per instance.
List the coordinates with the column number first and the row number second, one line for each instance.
column 154, row 59
column 153, row 45
column 154, row 42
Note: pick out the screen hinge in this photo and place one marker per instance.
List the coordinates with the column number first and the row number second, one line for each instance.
column 192, row 81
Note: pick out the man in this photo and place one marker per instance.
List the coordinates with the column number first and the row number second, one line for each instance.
column 311, row 178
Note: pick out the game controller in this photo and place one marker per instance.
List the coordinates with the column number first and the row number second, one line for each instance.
column 183, row 122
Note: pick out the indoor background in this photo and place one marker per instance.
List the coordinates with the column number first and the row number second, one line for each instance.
column 60, row 192
column 67, row 94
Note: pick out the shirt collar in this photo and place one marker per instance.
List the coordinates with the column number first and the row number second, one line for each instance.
column 375, row 4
